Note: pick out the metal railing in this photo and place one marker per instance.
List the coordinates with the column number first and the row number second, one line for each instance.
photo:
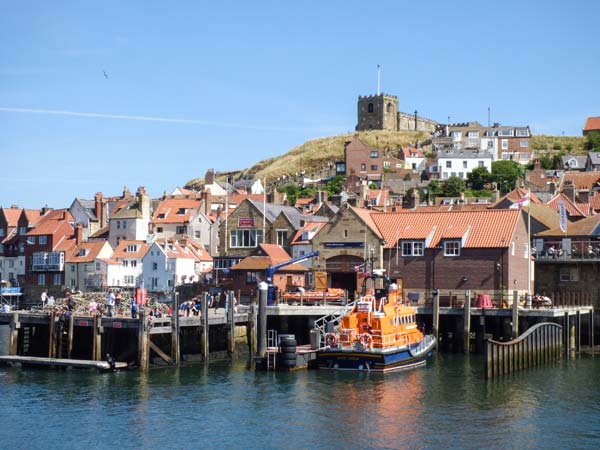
column 329, row 322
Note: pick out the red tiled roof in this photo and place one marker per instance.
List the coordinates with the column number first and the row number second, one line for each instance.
column 517, row 194
column 311, row 227
column 408, row 152
column 581, row 180
column 595, row 203
column 583, row 227
column 120, row 251
column 175, row 210
column 592, row 124
column 490, row 228
column 573, row 210
column 365, row 216
column 263, row 262
column 12, row 216
column 275, row 252
column 50, row 222
column 32, row 215
column 92, row 249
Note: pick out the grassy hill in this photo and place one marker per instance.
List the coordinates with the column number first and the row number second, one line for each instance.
column 313, row 154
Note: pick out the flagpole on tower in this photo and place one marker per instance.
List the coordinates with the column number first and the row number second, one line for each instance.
column 378, row 79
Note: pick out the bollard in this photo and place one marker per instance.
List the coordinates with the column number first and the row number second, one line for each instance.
column 205, row 328
column 467, row 323
column 436, row 317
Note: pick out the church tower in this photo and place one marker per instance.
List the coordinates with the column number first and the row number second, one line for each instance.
column 377, row 112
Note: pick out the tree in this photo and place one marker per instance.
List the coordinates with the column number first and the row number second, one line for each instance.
column 592, row 141
column 453, row 186
column 292, row 191
column 434, row 187
column 478, row 178
column 334, row 186
column 505, row 173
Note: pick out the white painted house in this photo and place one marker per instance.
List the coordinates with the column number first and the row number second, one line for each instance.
column 459, row 163
column 131, row 222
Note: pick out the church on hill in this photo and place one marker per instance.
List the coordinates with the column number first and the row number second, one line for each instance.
column 380, row 112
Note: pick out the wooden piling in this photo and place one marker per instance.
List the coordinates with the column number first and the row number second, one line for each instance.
column 436, row 317
column 578, row 331
column 70, row 335
column 262, row 320
column 566, row 334
column 175, row 348
column 538, row 346
column 231, row 324
column 204, row 327
column 515, row 315
column 467, row 323
column 51, row 336
column 14, row 334
column 98, row 338
column 143, row 349
column 591, row 338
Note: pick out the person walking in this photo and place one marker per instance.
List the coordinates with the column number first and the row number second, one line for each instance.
column 44, row 298
column 110, row 302
column 134, row 308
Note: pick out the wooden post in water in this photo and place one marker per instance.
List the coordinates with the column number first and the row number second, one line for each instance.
column 436, row 317
column 566, row 334
column 467, row 323
column 175, row 348
column 51, row 340
column 591, row 339
column 98, row 338
column 262, row 320
column 143, row 350
column 205, row 327
column 231, row 322
column 578, row 331
column 14, row 334
column 70, row 335
column 515, row 315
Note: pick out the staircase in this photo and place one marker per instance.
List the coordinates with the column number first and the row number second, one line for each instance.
column 330, row 322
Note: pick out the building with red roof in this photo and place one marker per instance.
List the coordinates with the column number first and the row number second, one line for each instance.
column 591, row 124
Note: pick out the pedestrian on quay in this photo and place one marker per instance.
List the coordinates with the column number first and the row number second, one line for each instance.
column 44, row 298
column 93, row 307
column 69, row 302
column 117, row 302
column 110, row 302
column 134, row 308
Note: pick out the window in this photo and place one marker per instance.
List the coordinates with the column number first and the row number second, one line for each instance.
column 345, row 233
column 1, row 232
column 125, row 263
column 245, row 238
column 451, row 248
column 522, row 132
column 569, row 274
column 374, row 154
column 124, row 224
column 490, row 144
column 504, row 144
column 132, row 248
column 73, row 283
column 197, row 234
column 456, row 134
column 489, row 133
column 41, row 279
column 180, row 229
column 506, row 132
column 181, row 211
column 159, row 229
column 363, row 167
column 370, row 108
column 412, row 248
column 373, row 167
column 21, row 248
column 461, row 174
column 252, row 278
column 133, row 263
column 524, row 156
column 386, row 164
column 480, row 164
column 57, row 279
column 128, row 280
column 72, row 268
column 118, row 224
column 97, row 267
column 464, row 164
column 448, row 164
column 154, row 266
column 11, row 263
column 161, row 215
column 473, row 134
column 390, row 108
column 31, row 239
column 525, row 250
column 504, row 155
column 281, row 237
column 22, row 230
column 472, row 143
column 446, row 175
column 524, row 144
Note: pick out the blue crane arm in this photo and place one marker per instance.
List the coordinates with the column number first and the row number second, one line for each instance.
column 272, row 269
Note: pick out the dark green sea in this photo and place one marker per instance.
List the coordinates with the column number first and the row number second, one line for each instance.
column 225, row 406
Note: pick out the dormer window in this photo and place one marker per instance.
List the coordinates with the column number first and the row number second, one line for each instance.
column 161, row 215
column 132, row 248
column 181, row 211
column 452, row 248
column 374, row 154
column 22, row 230
column 83, row 252
column 43, row 240
column 413, row 248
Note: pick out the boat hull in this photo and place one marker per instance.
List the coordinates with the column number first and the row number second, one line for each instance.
column 374, row 361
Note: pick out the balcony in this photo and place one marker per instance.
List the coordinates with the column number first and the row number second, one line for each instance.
column 579, row 251
column 48, row 262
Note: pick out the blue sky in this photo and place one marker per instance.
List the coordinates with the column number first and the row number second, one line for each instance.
column 238, row 82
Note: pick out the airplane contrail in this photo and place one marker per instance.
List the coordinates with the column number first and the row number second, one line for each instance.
column 149, row 119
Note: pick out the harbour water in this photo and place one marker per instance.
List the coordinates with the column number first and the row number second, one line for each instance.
column 446, row 404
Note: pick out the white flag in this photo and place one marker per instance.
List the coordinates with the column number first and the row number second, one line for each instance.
column 562, row 216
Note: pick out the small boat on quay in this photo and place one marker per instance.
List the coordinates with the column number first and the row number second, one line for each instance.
column 378, row 334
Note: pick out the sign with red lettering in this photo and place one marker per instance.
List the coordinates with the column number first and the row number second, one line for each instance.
column 246, row 222
column 117, row 324
column 83, row 323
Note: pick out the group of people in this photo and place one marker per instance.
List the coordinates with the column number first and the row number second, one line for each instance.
column 194, row 307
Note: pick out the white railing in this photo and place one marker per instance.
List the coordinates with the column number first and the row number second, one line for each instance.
column 329, row 322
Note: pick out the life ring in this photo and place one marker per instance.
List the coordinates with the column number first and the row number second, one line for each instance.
column 365, row 341
column 331, row 340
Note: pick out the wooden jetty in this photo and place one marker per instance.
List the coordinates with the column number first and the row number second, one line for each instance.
column 56, row 362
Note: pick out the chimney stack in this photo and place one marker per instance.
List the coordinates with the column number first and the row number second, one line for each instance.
column 143, row 202
column 78, row 234
column 99, row 209
column 569, row 190
column 209, row 178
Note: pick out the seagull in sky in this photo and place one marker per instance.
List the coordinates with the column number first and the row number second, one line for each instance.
column 105, row 74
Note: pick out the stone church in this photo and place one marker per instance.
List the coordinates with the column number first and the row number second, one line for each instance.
column 380, row 112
